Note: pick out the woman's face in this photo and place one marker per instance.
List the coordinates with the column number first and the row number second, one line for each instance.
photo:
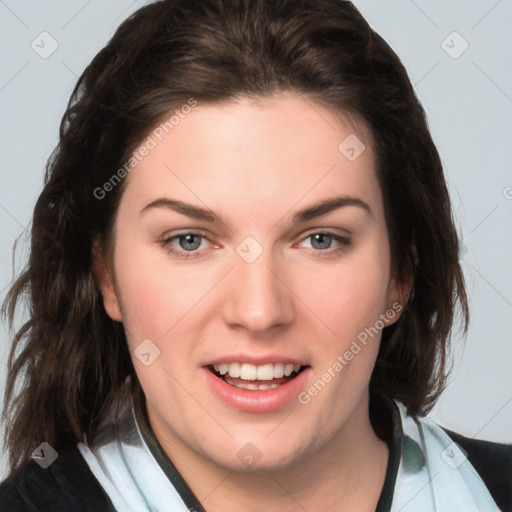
column 251, row 240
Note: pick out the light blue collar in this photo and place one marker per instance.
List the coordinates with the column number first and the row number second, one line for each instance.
column 433, row 476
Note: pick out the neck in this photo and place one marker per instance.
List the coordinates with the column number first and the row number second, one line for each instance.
column 346, row 473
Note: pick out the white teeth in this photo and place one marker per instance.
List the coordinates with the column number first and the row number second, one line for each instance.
column 264, row 372
column 252, row 386
column 248, row 371
column 278, row 370
column 234, row 370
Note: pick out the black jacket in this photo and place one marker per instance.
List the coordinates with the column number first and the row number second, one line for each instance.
column 68, row 485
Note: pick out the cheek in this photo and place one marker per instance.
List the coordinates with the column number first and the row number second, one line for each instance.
column 349, row 299
column 160, row 301
column 147, row 294
column 347, row 296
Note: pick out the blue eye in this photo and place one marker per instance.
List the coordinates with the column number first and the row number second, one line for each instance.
column 323, row 242
column 190, row 245
column 187, row 245
column 189, row 242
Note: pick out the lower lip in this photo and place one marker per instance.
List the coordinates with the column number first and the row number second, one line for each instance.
column 258, row 401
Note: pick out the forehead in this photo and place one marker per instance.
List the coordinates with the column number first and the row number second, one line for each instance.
column 242, row 153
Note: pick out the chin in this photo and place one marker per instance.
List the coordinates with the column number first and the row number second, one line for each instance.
column 260, row 453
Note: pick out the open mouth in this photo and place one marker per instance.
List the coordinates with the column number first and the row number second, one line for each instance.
column 256, row 378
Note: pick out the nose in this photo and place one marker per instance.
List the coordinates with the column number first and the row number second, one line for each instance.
column 258, row 298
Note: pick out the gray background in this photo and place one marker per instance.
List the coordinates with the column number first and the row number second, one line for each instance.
column 468, row 100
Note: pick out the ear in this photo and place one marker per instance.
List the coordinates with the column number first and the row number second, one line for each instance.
column 397, row 297
column 106, row 284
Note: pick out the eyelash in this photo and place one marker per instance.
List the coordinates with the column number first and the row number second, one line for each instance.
column 166, row 243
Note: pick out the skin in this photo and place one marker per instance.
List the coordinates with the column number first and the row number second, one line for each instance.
column 256, row 164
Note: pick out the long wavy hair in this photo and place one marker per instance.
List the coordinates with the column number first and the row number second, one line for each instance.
column 69, row 360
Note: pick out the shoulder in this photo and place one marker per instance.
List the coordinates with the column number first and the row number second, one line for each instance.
column 67, row 485
column 479, row 471
column 493, row 463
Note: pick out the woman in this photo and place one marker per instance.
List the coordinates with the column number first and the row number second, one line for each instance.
column 243, row 277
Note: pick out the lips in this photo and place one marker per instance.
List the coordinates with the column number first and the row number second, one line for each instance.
column 256, row 385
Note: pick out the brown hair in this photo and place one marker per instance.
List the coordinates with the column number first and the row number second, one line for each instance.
column 69, row 360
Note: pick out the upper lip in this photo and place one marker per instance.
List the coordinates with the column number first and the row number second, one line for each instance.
column 255, row 360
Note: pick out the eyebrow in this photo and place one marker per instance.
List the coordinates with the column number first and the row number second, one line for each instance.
column 328, row 205
column 323, row 208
